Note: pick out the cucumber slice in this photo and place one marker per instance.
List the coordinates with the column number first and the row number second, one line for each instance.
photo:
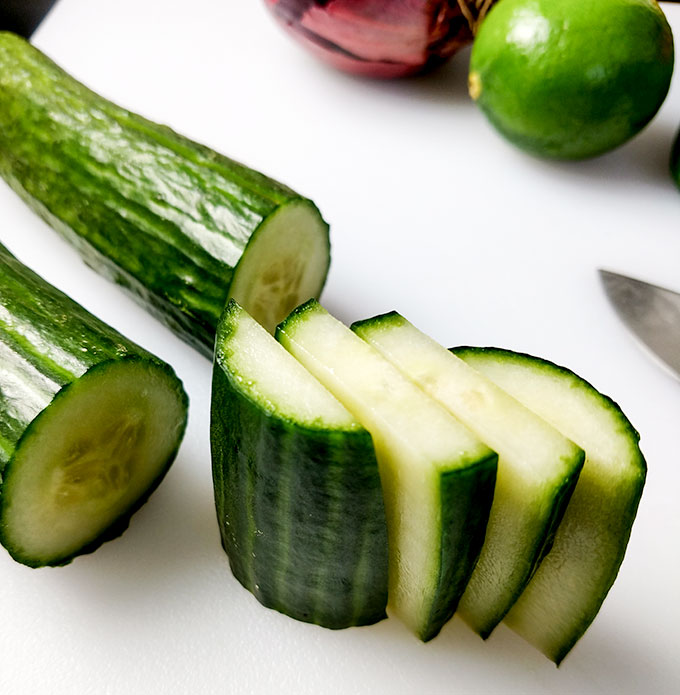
column 89, row 423
column 437, row 477
column 125, row 191
column 297, row 490
column 568, row 589
column 537, row 466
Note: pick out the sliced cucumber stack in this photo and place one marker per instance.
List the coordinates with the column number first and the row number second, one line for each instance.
column 179, row 225
column 437, row 477
column 568, row 589
column 297, row 490
column 541, row 554
column 537, row 467
column 89, row 422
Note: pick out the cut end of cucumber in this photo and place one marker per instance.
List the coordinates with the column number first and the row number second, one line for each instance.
column 90, row 460
column 285, row 263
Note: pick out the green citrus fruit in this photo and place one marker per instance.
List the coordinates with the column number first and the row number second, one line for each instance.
column 571, row 78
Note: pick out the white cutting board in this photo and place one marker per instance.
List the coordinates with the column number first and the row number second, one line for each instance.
column 432, row 214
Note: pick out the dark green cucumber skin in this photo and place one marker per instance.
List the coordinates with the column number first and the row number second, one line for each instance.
column 619, row 530
column 463, row 534
column 47, row 343
column 674, row 161
column 165, row 217
column 304, row 528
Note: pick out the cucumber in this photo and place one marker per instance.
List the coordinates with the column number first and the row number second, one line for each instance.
column 297, row 490
column 437, row 477
column 537, row 466
column 89, row 423
column 178, row 225
column 569, row 587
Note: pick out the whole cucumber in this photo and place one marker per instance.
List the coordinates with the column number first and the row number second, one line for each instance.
column 179, row 225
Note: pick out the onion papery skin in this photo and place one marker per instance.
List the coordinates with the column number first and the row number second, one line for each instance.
column 380, row 38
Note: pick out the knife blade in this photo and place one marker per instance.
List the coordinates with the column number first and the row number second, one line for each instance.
column 650, row 312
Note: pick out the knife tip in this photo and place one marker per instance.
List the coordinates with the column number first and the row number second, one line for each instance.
column 616, row 282
column 604, row 273
column 608, row 277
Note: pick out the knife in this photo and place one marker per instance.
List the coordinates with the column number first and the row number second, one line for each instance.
column 652, row 313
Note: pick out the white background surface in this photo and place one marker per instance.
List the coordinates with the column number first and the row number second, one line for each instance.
column 431, row 214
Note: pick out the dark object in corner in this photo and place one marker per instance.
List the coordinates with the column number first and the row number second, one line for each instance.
column 23, row 16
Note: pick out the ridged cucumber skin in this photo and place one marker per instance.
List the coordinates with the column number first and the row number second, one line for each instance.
column 609, row 512
column 466, row 496
column 300, row 511
column 157, row 213
column 48, row 342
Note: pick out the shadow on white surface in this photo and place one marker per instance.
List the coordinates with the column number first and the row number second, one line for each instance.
column 446, row 85
column 643, row 161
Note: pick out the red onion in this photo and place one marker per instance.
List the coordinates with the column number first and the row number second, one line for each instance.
column 382, row 38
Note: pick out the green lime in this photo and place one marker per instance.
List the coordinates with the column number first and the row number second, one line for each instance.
column 571, row 78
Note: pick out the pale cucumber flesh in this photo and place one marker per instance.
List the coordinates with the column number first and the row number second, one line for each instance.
column 422, row 453
column 566, row 593
column 284, row 264
column 537, row 466
column 274, row 379
column 88, row 458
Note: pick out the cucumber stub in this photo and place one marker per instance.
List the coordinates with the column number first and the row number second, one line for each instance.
column 568, row 589
column 89, row 423
column 297, row 490
column 178, row 225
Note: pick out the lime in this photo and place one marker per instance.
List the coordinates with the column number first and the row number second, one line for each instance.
column 571, row 78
